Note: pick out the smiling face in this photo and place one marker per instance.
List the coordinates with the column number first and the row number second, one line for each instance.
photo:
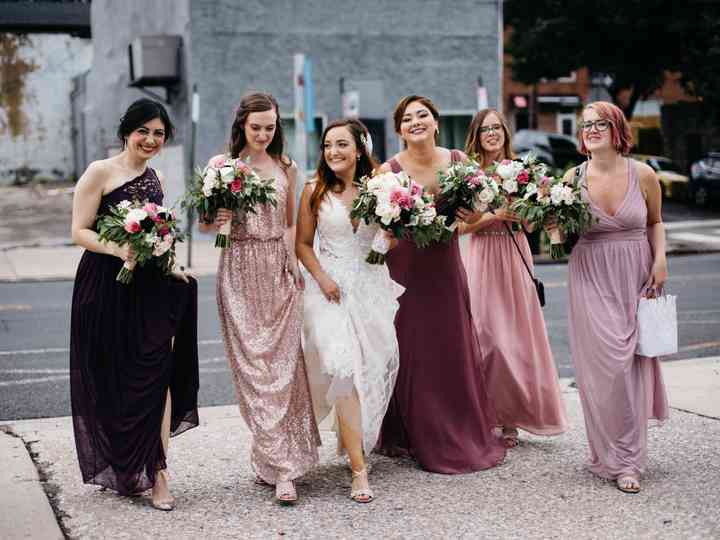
column 492, row 134
column 340, row 151
column 596, row 131
column 147, row 140
column 417, row 124
column 260, row 129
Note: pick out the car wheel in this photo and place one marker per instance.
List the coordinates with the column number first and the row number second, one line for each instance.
column 700, row 197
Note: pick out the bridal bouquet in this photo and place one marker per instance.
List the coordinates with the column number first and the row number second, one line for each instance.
column 544, row 198
column 465, row 185
column 400, row 205
column 228, row 183
column 150, row 229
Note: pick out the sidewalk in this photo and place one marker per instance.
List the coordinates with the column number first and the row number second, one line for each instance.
column 541, row 491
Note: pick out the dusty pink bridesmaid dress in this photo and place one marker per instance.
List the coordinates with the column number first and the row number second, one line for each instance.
column 620, row 391
column 521, row 375
column 260, row 311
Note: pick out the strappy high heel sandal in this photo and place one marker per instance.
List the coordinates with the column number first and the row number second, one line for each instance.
column 166, row 505
column 510, row 437
column 285, row 492
column 362, row 495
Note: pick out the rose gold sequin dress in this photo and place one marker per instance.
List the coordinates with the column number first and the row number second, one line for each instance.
column 261, row 320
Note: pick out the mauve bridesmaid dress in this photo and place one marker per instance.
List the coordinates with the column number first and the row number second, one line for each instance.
column 619, row 390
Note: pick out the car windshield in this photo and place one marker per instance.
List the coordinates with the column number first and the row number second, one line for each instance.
column 666, row 165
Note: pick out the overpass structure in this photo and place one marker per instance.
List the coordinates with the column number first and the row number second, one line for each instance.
column 46, row 17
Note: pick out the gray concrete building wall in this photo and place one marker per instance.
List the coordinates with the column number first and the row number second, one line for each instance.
column 114, row 26
column 429, row 47
column 36, row 78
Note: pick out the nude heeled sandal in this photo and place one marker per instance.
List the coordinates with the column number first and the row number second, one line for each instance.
column 363, row 495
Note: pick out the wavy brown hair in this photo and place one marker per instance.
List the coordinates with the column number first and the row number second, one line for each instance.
column 325, row 178
column 257, row 102
column 407, row 100
column 473, row 144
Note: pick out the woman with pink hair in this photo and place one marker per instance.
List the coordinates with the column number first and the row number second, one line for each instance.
column 620, row 259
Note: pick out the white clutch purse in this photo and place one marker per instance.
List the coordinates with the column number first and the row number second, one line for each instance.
column 657, row 326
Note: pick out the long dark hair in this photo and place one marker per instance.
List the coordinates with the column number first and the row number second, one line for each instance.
column 257, row 102
column 473, row 145
column 326, row 179
column 140, row 112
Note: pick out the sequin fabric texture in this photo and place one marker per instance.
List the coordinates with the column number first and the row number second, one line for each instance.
column 260, row 312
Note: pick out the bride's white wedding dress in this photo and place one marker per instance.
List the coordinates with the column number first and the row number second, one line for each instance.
column 351, row 345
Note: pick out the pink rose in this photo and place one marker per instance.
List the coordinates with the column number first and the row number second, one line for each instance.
column 545, row 181
column 523, row 177
column 162, row 231
column 133, row 227
column 218, row 162
column 243, row 167
column 505, row 162
column 236, row 185
column 415, row 188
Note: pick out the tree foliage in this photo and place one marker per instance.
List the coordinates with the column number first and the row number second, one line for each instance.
column 632, row 41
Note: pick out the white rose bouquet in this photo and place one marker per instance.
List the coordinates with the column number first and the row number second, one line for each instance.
column 400, row 205
column 228, row 183
column 150, row 229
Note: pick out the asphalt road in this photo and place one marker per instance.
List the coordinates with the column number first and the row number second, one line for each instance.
column 34, row 335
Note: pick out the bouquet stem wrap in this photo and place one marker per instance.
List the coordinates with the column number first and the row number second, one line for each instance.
column 222, row 240
column 378, row 249
column 125, row 275
column 557, row 248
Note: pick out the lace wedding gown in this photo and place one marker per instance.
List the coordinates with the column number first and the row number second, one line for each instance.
column 351, row 345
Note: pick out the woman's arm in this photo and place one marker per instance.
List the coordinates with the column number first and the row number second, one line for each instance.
column 650, row 186
column 86, row 202
column 290, row 230
column 307, row 223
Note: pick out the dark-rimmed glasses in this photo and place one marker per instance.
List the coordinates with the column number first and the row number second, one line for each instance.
column 491, row 128
column 600, row 125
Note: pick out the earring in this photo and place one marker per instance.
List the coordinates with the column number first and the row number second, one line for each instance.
column 437, row 130
column 358, row 158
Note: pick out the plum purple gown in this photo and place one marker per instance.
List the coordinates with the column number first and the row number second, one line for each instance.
column 521, row 375
column 620, row 391
column 440, row 412
column 122, row 363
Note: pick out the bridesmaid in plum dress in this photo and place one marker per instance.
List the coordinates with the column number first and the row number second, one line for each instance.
column 619, row 259
column 259, row 293
column 521, row 375
column 440, row 412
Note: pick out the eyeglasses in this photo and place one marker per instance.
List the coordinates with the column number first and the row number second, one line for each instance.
column 600, row 125
column 488, row 129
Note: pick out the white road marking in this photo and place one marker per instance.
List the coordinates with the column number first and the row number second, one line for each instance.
column 694, row 237
column 35, row 380
column 64, row 350
column 691, row 224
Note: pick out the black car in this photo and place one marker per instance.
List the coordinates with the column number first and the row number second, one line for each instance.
column 704, row 184
column 558, row 151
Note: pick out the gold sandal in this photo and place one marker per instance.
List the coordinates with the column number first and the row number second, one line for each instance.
column 285, row 492
column 362, row 495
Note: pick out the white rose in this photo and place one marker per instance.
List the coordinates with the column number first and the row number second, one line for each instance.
column 530, row 190
column 510, row 186
column 387, row 212
column 151, row 239
column 556, row 194
column 124, row 205
column 210, row 176
column 427, row 216
column 568, row 196
column 506, row 171
column 136, row 214
column 162, row 246
column 486, row 195
column 227, row 175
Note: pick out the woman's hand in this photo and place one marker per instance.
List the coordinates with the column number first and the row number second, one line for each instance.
column 124, row 252
column 330, row 289
column 504, row 214
column 468, row 216
column 181, row 274
column 222, row 216
column 297, row 276
column 658, row 277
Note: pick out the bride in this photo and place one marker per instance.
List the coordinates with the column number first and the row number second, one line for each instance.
column 349, row 342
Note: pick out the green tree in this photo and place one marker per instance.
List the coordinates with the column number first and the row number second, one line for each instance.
column 632, row 41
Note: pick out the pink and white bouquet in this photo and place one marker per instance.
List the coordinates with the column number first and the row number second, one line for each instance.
column 150, row 229
column 228, row 183
column 400, row 205
column 466, row 185
column 539, row 199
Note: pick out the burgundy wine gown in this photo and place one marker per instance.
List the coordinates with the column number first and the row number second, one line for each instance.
column 440, row 413
column 122, row 363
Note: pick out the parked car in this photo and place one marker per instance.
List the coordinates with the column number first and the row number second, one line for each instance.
column 674, row 184
column 704, row 185
column 557, row 150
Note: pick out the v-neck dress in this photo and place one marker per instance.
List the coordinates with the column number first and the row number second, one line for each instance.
column 620, row 391
column 350, row 346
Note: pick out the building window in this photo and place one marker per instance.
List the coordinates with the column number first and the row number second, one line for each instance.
column 313, row 139
column 454, row 128
column 567, row 123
